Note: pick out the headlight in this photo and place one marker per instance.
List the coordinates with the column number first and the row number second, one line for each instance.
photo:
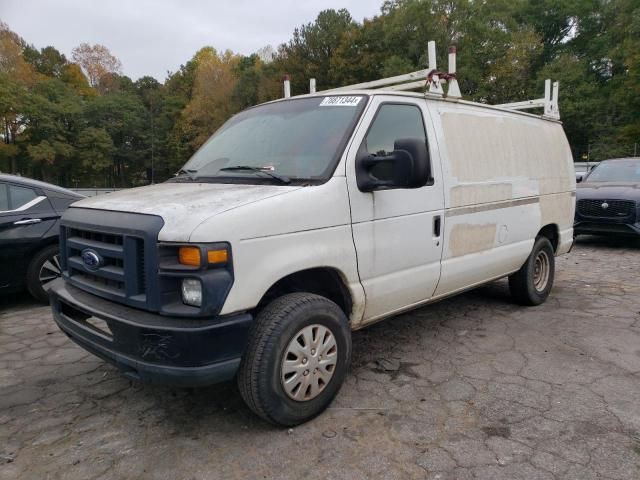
column 192, row 292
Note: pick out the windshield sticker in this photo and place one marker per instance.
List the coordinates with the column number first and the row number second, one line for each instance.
column 340, row 101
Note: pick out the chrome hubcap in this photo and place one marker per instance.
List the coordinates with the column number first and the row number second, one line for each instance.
column 309, row 363
column 49, row 271
column 541, row 271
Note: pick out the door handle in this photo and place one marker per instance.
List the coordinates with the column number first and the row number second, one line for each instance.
column 28, row 221
column 437, row 222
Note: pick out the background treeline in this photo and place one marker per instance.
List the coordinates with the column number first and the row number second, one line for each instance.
column 79, row 122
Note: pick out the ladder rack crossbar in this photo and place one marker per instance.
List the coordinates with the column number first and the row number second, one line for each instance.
column 407, row 86
column 549, row 102
column 383, row 82
column 538, row 102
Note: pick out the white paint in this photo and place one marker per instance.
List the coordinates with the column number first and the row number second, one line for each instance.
column 383, row 82
column 287, row 88
column 435, row 86
column 453, row 89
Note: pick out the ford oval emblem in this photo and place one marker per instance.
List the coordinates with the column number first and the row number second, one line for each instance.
column 91, row 259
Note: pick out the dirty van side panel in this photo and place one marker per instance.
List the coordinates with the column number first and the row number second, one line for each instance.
column 506, row 176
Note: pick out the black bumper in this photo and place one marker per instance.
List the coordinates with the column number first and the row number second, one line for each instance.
column 590, row 227
column 149, row 347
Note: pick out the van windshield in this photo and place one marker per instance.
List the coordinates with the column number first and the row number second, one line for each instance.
column 297, row 139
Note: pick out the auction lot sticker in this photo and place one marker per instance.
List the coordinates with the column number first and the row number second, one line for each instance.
column 342, row 101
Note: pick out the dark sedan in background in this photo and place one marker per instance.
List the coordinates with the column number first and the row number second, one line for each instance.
column 608, row 199
column 29, row 216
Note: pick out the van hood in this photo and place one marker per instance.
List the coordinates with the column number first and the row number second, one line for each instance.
column 183, row 206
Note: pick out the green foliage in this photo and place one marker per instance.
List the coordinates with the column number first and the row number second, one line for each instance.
column 83, row 123
column 48, row 61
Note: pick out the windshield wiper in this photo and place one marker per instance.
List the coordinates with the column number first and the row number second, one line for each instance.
column 186, row 172
column 266, row 170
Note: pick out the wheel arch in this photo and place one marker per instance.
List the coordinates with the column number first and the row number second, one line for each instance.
column 328, row 282
column 551, row 231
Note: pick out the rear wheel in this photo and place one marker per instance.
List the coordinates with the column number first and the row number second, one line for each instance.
column 298, row 354
column 43, row 269
column 532, row 284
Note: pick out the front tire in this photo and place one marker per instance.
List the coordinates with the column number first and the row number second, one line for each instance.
column 532, row 284
column 298, row 355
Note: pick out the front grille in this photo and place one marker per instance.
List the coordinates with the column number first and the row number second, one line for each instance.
column 122, row 269
column 606, row 208
column 125, row 245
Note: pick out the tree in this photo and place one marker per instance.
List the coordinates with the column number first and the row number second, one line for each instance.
column 96, row 61
column 53, row 117
column 16, row 78
column 210, row 105
column 309, row 53
column 95, row 151
column 72, row 75
column 123, row 116
column 48, row 61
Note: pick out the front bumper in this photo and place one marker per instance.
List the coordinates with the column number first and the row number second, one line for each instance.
column 145, row 346
column 594, row 227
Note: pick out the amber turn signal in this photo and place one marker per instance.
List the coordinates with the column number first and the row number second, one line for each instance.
column 217, row 256
column 189, row 256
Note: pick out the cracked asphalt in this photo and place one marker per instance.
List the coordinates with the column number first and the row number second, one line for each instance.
column 472, row 387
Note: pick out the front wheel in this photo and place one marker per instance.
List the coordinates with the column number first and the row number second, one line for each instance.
column 532, row 284
column 43, row 269
column 298, row 355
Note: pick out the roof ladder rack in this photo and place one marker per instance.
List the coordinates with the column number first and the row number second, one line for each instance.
column 432, row 80
column 409, row 81
column 549, row 102
column 418, row 79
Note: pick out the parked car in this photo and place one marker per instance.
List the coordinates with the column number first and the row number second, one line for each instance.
column 29, row 219
column 303, row 219
column 608, row 199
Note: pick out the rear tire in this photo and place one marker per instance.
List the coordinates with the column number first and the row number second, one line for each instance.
column 532, row 284
column 282, row 377
column 43, row 269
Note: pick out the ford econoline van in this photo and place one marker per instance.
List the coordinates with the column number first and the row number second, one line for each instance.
column 304, row 219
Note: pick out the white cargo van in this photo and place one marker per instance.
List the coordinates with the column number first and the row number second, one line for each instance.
column 303, row 219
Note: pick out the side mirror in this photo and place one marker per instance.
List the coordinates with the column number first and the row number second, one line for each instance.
column 579, row 178
column 406, row 167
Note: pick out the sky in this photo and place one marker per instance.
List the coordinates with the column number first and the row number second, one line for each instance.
column 153, row 37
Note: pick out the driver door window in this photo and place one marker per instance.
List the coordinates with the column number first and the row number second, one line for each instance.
column 392, row 122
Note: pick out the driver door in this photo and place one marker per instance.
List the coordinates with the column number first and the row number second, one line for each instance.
column 397, row 233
